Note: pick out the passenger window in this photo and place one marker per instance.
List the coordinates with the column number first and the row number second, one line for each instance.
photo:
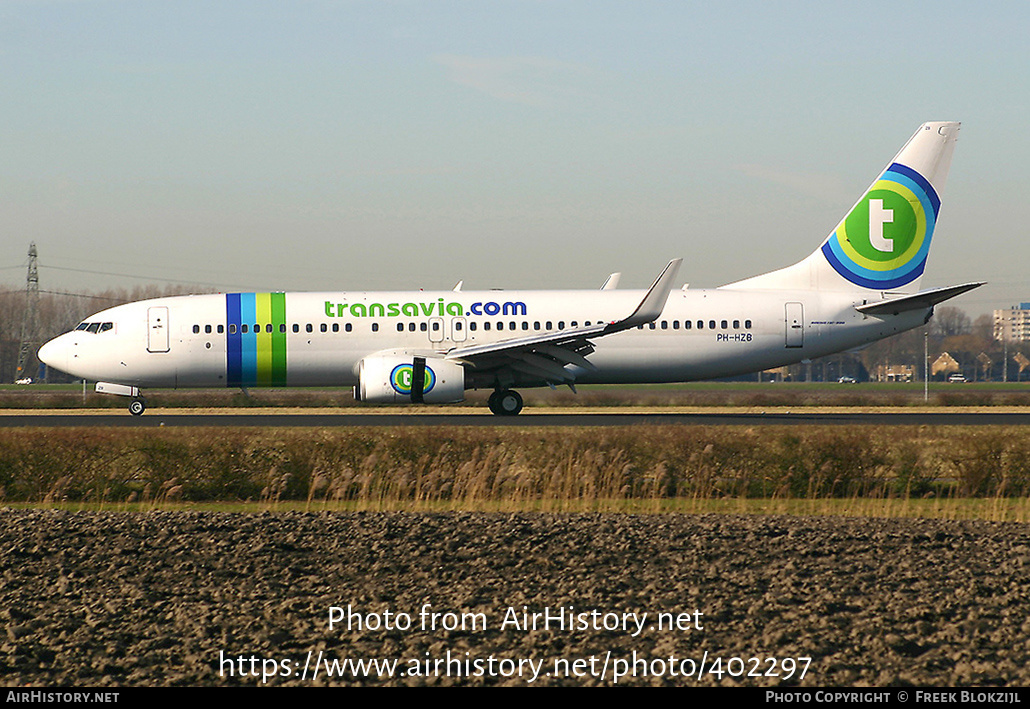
column 232, row 328
column 675, row 324
column 486, row 325
column 472, row 326
column 561, row 324
column 747, row 324
column 711, row 324
column 436, row 327
column 207, row 329
column 400, row 327
column 296, row 327
column 736, row 324
column 700, row 324
column 336, row 327
column 268, row 327
column 282, row 327
column 525, row 325
column 665, row 324
column 422, row 326
column 243, row 329
column 548, row 325
column 196, row 329
column 323, row 327
column 457, row 326
column 221, row 329
column 724, row 324
column 650, row 326
column 536, row 325
column 347, row 327
column 511, row 326
column 375, row 327
column 308, row 328
column 686, row 324
column 573, row 324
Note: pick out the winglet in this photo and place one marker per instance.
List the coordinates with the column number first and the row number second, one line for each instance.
column 653, row 303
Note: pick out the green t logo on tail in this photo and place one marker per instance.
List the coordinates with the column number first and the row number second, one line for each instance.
column 884, row 240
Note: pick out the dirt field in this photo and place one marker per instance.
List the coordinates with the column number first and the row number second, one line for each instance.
column 201, row 598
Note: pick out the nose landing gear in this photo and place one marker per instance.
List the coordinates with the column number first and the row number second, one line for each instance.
column 138, row 404
column 505, row 402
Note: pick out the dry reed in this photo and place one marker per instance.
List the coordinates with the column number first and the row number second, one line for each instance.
column 857, row 470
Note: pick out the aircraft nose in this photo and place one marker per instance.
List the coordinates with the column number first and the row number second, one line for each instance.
column 54, row 353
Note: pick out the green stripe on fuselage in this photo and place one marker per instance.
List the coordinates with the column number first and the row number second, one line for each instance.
column 271, row 346
column 278, row 305
column 263, row 310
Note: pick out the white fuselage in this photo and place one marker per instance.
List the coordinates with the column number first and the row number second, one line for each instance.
column 319, row 339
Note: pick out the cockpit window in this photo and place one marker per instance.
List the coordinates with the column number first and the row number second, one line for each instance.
column 95, row 327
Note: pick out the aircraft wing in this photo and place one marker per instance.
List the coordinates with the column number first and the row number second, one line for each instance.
column 546, row 355
column 916, row 301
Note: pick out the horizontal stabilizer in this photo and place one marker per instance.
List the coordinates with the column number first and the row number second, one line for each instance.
column 916, row 301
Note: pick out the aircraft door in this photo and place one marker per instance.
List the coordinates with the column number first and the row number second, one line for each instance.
column 436, row 330
column 795, row 322
column 157, row 329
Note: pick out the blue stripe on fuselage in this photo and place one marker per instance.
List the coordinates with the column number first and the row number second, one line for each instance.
column 233, row 341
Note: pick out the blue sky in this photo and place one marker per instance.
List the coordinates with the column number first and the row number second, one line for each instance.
column 396, row 145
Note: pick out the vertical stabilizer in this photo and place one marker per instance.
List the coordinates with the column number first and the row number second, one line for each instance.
column 883, row 241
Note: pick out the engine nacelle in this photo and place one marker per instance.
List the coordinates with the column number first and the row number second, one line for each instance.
column 394, row 379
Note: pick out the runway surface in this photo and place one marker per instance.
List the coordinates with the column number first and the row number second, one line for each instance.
column 156, row 419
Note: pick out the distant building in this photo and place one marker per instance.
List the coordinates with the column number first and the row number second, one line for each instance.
column 777, row 374
column 1013, row 324
column 945, row 365
column 894, row 373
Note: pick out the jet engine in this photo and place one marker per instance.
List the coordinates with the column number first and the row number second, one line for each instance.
column 405, row 378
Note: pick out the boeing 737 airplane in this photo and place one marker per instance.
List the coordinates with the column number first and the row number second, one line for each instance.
column 860, row 285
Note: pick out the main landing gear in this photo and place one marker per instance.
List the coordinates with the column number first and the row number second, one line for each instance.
column 505, row 402
column 137, row 406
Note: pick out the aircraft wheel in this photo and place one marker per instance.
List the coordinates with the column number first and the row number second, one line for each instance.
column 507, row 403
column 137, row 407
column 492, row 403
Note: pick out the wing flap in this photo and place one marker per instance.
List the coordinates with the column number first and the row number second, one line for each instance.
column 532, row 342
